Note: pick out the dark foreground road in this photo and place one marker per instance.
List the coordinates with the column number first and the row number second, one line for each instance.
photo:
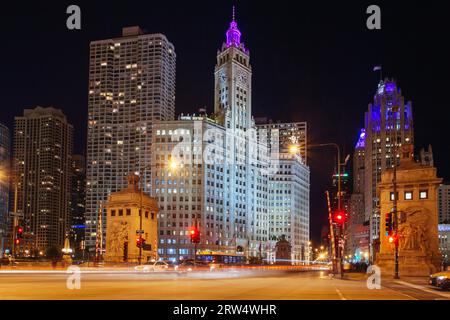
column 211, row 286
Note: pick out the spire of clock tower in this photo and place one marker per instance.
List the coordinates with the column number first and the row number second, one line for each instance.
column 233, row 34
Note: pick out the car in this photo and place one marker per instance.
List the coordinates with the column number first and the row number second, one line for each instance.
column 153, row 267
column 440, row 280
column 189, row 265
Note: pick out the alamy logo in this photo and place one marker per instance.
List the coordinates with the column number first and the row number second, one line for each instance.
column 73, row 22
column 374, row 21
column 374, row 280
column 74, row 280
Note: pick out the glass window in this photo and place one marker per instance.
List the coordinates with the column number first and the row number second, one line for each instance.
column 408, row 195
column 424, row 194
column 392, row 196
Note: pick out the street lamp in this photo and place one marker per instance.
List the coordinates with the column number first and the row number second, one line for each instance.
column 294, row 149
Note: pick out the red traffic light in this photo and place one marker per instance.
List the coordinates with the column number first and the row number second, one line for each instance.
column 393, row 239
column 339, row 217
column 195, row 235
column 20, row 230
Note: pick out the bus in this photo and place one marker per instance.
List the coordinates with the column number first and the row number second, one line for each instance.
column 221, row 258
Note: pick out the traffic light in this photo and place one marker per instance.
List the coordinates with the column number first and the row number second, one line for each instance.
column 393, row 239
column 17, row 241
column 140, row 242
column 388, row 223
column 19, row 232
column 195, row 235
column 339, row 217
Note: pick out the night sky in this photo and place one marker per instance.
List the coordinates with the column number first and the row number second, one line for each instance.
column 311, row 62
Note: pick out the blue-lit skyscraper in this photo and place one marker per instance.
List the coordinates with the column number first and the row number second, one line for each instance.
column 4, row 184
column 387, row 119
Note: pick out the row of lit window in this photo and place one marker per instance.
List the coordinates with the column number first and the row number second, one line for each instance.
column 409, row 195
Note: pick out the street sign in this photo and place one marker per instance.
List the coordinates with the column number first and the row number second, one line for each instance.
column 16, row 214
column 139, row 231
column 147, row 247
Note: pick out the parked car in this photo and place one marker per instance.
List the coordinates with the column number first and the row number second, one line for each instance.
column 153, row 267
column 440, row 280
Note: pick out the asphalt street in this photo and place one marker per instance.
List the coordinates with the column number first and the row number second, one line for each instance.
column 238, row 285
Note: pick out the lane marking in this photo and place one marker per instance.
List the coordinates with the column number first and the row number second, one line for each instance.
column 340, row 294
column 422, row 288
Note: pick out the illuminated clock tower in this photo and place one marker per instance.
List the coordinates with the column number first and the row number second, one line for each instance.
column 233, row 75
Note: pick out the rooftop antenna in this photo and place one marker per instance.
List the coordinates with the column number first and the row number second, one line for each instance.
column 234, row 13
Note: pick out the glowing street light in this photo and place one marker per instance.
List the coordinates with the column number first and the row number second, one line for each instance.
column 294, row 149
column 173, row 165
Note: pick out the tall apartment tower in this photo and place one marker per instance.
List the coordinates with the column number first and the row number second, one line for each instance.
column 77, row 201
column 131, row 85
column 444, row 204
column 387, row 119
column 4, row 185
column 42, row 159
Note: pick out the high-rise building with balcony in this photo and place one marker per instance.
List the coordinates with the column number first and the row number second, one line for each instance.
column 388, row 126
column 4, row 185
column 42, row 155
column 131, row 85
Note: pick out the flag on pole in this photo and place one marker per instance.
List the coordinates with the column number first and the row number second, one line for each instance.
column 377, row 68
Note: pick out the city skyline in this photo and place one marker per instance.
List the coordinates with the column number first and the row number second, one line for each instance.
column 192, row 96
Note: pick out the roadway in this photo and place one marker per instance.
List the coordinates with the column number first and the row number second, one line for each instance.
column 229, row 285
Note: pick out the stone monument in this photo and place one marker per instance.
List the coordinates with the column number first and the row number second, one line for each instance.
column 417, row 208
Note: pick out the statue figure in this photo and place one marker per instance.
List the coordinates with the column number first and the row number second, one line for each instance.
column 405, row 234
column 422, row 239
column 117, row 237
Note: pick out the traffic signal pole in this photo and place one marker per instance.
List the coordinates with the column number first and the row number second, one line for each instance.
column 339, row 196
column 140, row 221
column 15, row 223
column 395, row 204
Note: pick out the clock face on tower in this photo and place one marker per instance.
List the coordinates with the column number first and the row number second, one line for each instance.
column 242, row 78
column 222, row 77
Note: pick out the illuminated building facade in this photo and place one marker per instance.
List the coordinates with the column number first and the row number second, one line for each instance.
column 4, row 185
column 211, row 171
column 131, row 85
column 289, row 192
column 194, row 186
column 444, row 242
column 444, row 203
column 42, row 162
column 382, row 125
column 357, row 245
column 289, row 135
column 77, row 202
